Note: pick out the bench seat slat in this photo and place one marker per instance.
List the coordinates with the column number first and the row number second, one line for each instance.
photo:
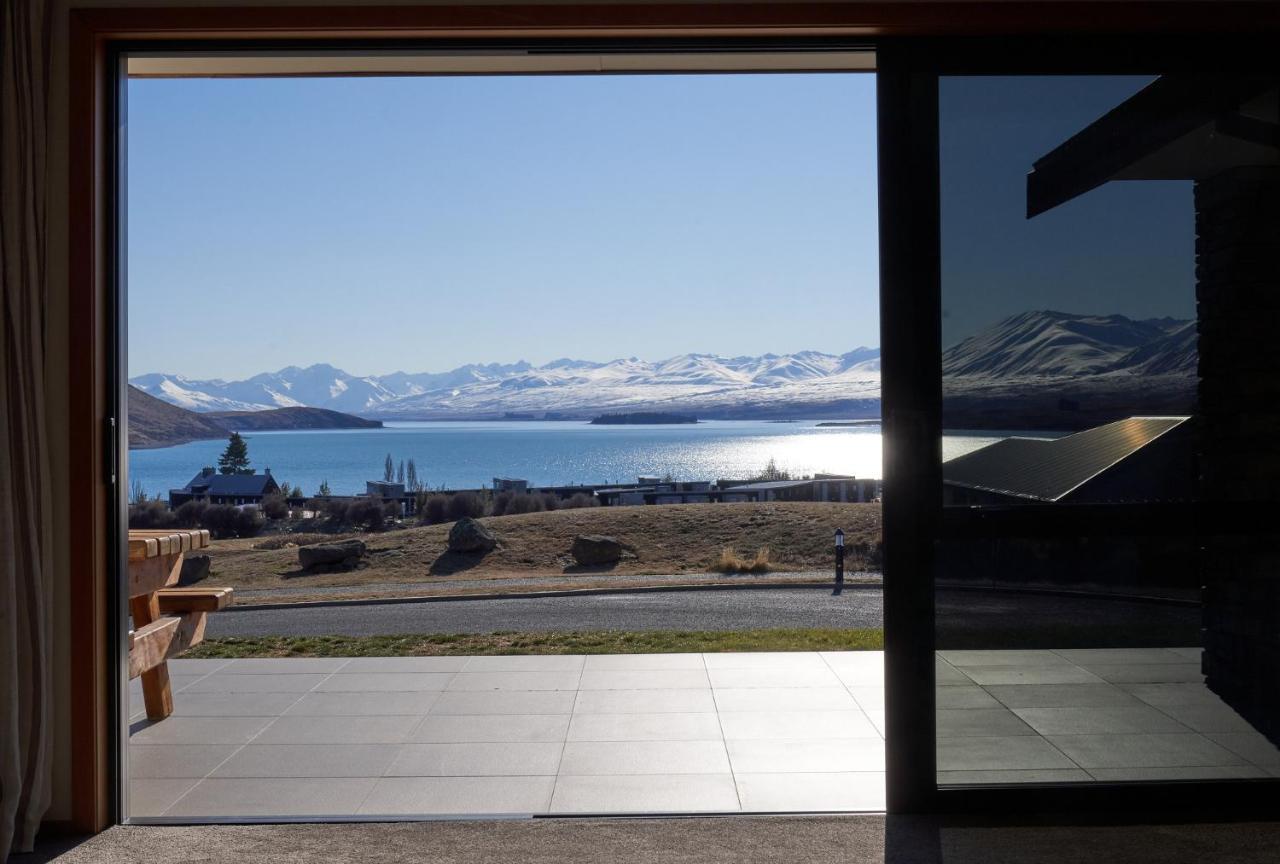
column 174, row 600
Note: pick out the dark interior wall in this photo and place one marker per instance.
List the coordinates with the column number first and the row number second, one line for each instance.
column 1238, row 310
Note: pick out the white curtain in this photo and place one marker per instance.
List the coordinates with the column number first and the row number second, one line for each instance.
column 25, row 679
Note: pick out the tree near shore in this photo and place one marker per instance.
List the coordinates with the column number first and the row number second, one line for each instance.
column 235, row 459
column 389, row 469
column 324, row 489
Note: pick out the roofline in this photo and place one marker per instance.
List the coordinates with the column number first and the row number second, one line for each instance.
column 1181, row 420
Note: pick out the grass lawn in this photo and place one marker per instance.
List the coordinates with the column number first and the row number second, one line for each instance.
column 674, row 539
column 568, row 642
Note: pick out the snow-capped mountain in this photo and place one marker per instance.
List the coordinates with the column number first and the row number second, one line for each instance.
column 1033, row 351
column 566, row 386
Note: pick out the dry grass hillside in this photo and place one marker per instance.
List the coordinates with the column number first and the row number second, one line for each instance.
column 668, row 539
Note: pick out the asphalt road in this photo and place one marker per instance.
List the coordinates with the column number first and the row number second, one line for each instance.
column 965, row 618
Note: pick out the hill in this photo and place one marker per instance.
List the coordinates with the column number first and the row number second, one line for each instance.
column 156, row 423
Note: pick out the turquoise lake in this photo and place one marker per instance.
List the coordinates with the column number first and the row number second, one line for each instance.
column 470, row 454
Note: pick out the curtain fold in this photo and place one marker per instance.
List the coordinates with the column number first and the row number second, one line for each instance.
column 25, row 652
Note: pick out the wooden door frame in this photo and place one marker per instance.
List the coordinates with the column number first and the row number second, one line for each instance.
column 94, row 39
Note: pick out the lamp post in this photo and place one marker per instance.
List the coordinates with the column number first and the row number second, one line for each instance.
column 839, row 560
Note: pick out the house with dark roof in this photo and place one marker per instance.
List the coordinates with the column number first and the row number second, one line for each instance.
column 1136, row 459
column 236, row 489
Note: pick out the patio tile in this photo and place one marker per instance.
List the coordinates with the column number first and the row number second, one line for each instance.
column 764, row 660
column 646, row 662
column 482, row 681
column 1252, row 746
column 1090, row 657
column 196, row 667
column 868, row 666
column 645, row 727
column 404, row 664
column 398, row 796
column 877, row 719
column 472, row 759
column 445, row 728
column 945, row 674
column 233, row 704
column 785, row 699
column 679, row 793
column 645, row 679
column 199, row 730
column 767, row 677
column 364, row 704
column 392, row 729
column 818, row 757
column 971, row 696
column 964, row 722
column 170, row 761
column 1189, row 653
column 1150, row 673
column 1161, row 695
column 1229, row 772
column 1035, row 775
column 222, row 682
column 644, row 757
column 1066, row 673
column 1008, row 752
column 962, row 659
column 1099, row 719
column 869, row 698
column 384, row 682
column 1059, row 695
column 236, row 797
column 283, row 665
column 151, row 797
column 800, row 793
column 508, row 702
column 309, row 760
column 644, row 702
column 525, row 663
column 1146, row 750
column 797, row 725
column 1208, row 717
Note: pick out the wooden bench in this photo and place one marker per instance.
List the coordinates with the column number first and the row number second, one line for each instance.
column 166, row 620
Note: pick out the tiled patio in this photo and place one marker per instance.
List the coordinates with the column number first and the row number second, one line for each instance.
column 1089, row 715
column 512, row 735
column 520, row 735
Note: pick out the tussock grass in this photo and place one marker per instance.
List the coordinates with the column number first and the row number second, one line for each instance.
column 563, row 642
column 731, row 562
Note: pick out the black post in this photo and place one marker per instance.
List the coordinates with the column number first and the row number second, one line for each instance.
column 839, row 560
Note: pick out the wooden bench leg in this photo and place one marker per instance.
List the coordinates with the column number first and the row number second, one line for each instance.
column 156, row 692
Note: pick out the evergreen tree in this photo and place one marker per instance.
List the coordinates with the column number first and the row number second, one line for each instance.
column 235, row 459
column 324, row 488
column 388, row 469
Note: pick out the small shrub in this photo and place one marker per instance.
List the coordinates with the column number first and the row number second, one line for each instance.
column 152, row 514
column 550, row 501
column 368, row 513
column 435, row 510
column 336, row 512
column 191, row 513
column 225, row 521
column 465, row 504
column 500, row 503
column 731, row 562
column 525, row 504
column 580, row 500
column 274, row 506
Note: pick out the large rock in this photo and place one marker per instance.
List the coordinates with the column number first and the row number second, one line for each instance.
column 339, row 555
column 589, row 549
column 468, row 535
column 194, row 569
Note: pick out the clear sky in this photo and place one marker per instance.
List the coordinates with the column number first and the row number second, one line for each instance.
column 416, row 224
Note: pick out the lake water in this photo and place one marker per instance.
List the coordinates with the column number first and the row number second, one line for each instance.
column 470, row 454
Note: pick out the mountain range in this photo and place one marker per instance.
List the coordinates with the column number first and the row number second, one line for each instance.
column 1094, row 352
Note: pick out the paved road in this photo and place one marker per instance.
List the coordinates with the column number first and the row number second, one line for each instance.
column 676, row 610
column 965, row 618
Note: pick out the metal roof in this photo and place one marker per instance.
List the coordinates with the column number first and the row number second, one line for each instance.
column 1048, row 470
column 231, row 484
column 766, row 485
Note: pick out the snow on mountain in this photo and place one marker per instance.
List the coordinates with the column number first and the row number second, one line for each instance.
column 1095, row 351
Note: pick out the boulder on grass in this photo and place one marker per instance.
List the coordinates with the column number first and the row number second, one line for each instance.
column 326, row 557
column 468, row 535
column 591, row 549
column 194, row 568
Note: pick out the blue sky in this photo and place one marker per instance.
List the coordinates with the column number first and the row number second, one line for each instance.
column 417, row 224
